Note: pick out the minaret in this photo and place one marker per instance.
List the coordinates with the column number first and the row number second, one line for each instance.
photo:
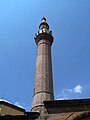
column 43, row 84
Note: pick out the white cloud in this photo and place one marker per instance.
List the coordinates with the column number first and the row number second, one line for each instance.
column 64, row 94
column 78, row 89
column 17, row 104
column 69, row 93
column 60, row 98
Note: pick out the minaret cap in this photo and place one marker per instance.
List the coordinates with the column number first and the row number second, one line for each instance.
column 43, row 22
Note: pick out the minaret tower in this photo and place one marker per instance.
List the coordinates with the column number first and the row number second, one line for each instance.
column 43, row 84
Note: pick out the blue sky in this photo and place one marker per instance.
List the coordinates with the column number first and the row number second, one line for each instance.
column 70, row 22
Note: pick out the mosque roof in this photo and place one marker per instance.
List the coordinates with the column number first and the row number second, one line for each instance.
column 64, row 106
column 7, row 103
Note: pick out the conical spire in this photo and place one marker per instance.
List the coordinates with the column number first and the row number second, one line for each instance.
column 43, row 19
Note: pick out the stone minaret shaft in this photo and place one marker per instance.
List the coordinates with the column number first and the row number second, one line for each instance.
column 43, row 84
